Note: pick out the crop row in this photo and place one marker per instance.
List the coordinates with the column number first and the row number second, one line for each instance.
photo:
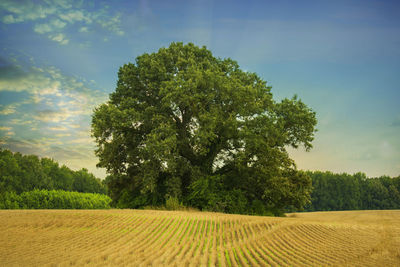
column 124, row 237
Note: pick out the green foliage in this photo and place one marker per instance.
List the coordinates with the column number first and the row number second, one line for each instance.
column 128, row 200
column 207, row 193
column 353, row 192
column 10, row 200
column 53, row 199
column 187, row 125
column 21, row 173
column 172, row 203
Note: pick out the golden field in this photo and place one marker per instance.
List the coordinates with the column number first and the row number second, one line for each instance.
column 174, row 238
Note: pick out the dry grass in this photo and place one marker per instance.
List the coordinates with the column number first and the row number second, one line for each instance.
column 175, row 238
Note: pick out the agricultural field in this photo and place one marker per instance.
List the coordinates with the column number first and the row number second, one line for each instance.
column 177, row 238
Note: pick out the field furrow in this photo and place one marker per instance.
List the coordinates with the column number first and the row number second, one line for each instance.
column 163, row 238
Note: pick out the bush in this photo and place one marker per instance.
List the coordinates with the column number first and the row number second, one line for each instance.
column 10, row 200
column 172, row 203
column 53, row 199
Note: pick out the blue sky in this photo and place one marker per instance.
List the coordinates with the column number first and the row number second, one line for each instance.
column 59, row 59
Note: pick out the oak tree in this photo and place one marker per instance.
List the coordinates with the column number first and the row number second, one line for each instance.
column 185, row 124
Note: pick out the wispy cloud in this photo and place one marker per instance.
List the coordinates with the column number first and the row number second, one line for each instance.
column 77, row 16
column 20, row 122
column 59, row 37
column 68, row 95
column 54, row 17
column 112, row 24
column 58, row 128
column 7, row 109
column 75, row 126
column 83, row 140
column 58, row 122
column 83, row 29
column 53, row 25
column 63, row 134
column 15, row 78
column 20, row 11
column 48, row 147
column 56, row 116
column 6, row 132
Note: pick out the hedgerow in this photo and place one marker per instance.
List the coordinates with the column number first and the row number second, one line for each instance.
column 53, row 199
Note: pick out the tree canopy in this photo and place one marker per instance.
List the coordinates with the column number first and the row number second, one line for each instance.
column 353, row 192
column 185, row 124
column 22, row 173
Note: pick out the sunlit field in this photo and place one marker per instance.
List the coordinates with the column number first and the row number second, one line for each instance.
column 158, row 238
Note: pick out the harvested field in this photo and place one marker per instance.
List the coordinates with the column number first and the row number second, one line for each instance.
column 159, row 238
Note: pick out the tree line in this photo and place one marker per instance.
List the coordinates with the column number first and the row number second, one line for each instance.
column 27, row 181
column 353, row 192
column 22, row 173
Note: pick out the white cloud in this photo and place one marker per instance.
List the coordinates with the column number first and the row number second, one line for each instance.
column 51, row 116
column 58, row 128
column 53, row 89
column 60, row 97
column 2, row 128
column 42, row 28
column 20, row 122
column 8, row 19
column 83, row 29
column 59, row 118
column 54, row 25
column 55, row 15
column 22, row 11
column 75, row 16
column 7, row 110
column 63, row 135
column 75, row 126
column 58, row 115
column 58, row 23
column 112, row 24
column 60, row 37
column 30, row 80
column 83, row 140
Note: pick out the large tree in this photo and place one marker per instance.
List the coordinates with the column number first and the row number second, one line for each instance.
column 185, row 124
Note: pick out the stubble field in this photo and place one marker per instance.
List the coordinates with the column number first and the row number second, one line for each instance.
column 169, row 238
